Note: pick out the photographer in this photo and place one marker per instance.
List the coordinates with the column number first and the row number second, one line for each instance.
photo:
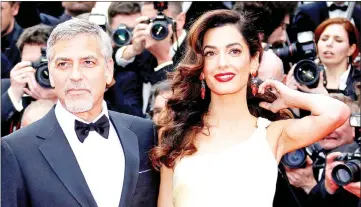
column 316, row 183
column 22, row 79
column 151, row 57
column 271, row 18
column 10, row 32
column 337, row 42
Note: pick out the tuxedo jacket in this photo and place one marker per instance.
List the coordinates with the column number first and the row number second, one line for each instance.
column 313, row 14
column 39, row 168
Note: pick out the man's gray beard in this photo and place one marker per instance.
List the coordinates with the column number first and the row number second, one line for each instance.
column 78, row 106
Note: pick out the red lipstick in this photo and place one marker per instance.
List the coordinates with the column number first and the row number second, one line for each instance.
column 224, row 77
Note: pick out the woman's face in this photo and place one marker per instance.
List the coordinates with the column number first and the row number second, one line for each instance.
column 227, row 60
column 333, row 45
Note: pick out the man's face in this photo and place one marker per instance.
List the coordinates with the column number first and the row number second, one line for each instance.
column 341, row 136
column 79, row 73
column 149, row 11
column 159, row 104
column 279, row 35
column 31, row 52
column 8, row 13
column 78, row 7
column 128, row 20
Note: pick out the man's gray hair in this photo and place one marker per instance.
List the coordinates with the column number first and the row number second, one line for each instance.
column 74, row 27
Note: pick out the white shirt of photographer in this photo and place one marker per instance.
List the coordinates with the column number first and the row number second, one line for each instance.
column 338, row 12
column 100, row 160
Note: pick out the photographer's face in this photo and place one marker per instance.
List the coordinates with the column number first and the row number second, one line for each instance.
column 78, row 7
column 31, row 52
column 149, row 11
column 343, row 135
column 79, row 73
column 227, row 60
column 8, row 12
column 128, row 20
column 279, row 35
column 333, row 45
column 159, row 104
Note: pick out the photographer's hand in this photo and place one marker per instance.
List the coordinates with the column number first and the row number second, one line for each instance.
column 320, row 89
column 290, row 79
column 330, row 184
column 354, row 188
column 140, row 34
column 302, row 177
column 38, row 92
column 19, row 76
column 160, row 49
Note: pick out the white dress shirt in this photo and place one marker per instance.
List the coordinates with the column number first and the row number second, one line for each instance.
column 338, row 12
column 343, row 78
column 100, row 160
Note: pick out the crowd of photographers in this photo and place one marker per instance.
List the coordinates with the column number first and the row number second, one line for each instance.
column 311, row 47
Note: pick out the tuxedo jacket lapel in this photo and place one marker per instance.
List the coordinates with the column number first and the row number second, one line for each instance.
column 61, row 158
column 130, row 147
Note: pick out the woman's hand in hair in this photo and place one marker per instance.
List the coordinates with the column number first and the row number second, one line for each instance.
column 283, row 93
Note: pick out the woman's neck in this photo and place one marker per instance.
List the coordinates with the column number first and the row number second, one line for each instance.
column 334, row 73
column 228, row 110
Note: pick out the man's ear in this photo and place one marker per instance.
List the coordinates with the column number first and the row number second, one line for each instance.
column 15, row 9
column 109, row 71
column 51, row 79
column 181, row 20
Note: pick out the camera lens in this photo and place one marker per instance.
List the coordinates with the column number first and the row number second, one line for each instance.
column 159, row 30
column 42, row 75
column 122, row 36
column 343, row 174
column 295, row 159
column 307, row 73
column 286, row 54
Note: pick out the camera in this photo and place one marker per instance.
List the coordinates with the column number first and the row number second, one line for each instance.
column 99, row 19
column 304, row 53
column 122, row 35
column 297, row 158
column 42, row 72
column 159, row 30
column 349, row 171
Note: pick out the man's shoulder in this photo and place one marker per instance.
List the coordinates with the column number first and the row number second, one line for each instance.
column 312, row 6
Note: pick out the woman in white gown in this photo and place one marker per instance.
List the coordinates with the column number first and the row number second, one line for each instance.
column 214, row 148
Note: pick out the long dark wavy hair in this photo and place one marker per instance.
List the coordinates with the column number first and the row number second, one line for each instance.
column 183, row 117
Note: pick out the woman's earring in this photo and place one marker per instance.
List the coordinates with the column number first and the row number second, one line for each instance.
column 254, row 83
column 203, row 88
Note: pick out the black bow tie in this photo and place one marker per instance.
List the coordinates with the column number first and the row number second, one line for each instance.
column 334, row 7
column 101, row 126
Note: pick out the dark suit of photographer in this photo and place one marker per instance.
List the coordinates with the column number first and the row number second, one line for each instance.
column 152, row 59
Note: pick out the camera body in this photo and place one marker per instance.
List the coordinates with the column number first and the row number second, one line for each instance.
column 99, row 19
column 350, row 170
column 303, row 52
column 159, row 30
column 42, row 72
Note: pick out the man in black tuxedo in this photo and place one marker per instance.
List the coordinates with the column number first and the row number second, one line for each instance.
column 309, row 16
column 80, row 154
